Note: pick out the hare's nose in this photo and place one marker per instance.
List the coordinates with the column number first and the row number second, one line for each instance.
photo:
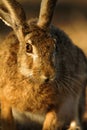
column 47, row 79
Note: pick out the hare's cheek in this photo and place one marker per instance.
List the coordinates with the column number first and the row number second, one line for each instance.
column 26, row 72
column 25, row 67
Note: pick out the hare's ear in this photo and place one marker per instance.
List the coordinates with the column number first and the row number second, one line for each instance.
column 46, row 13
column 13, row 15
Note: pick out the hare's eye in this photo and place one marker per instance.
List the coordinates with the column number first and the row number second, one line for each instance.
column 29, row 48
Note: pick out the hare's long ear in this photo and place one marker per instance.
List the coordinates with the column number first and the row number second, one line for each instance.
column 13, row 15
column 46, row 13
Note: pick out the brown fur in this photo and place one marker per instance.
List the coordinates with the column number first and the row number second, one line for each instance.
column 47, row 81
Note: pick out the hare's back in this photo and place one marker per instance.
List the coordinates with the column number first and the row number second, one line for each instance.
column 68, row 53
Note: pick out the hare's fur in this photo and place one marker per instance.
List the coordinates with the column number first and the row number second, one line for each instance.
column 44, row 82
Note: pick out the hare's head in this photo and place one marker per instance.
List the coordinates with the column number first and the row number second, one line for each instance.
column 36, row 56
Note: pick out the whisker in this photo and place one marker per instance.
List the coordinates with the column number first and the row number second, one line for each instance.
column 67, row 83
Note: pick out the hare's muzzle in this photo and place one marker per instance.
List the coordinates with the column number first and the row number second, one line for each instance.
column 48, row 74
column 47, row 78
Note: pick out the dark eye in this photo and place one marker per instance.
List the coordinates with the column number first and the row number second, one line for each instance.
column 29, row 48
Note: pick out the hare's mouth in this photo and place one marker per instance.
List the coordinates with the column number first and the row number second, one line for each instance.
column 40, row 80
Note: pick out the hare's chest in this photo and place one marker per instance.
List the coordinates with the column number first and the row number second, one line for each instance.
column 30, row 99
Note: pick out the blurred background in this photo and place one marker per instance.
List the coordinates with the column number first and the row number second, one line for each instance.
column 69, row 15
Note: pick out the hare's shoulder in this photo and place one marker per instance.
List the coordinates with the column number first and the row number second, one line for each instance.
column 70, row 54
column 65, row 44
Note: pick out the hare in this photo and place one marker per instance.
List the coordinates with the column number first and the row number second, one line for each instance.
column 42, row 73
column 83, row 110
